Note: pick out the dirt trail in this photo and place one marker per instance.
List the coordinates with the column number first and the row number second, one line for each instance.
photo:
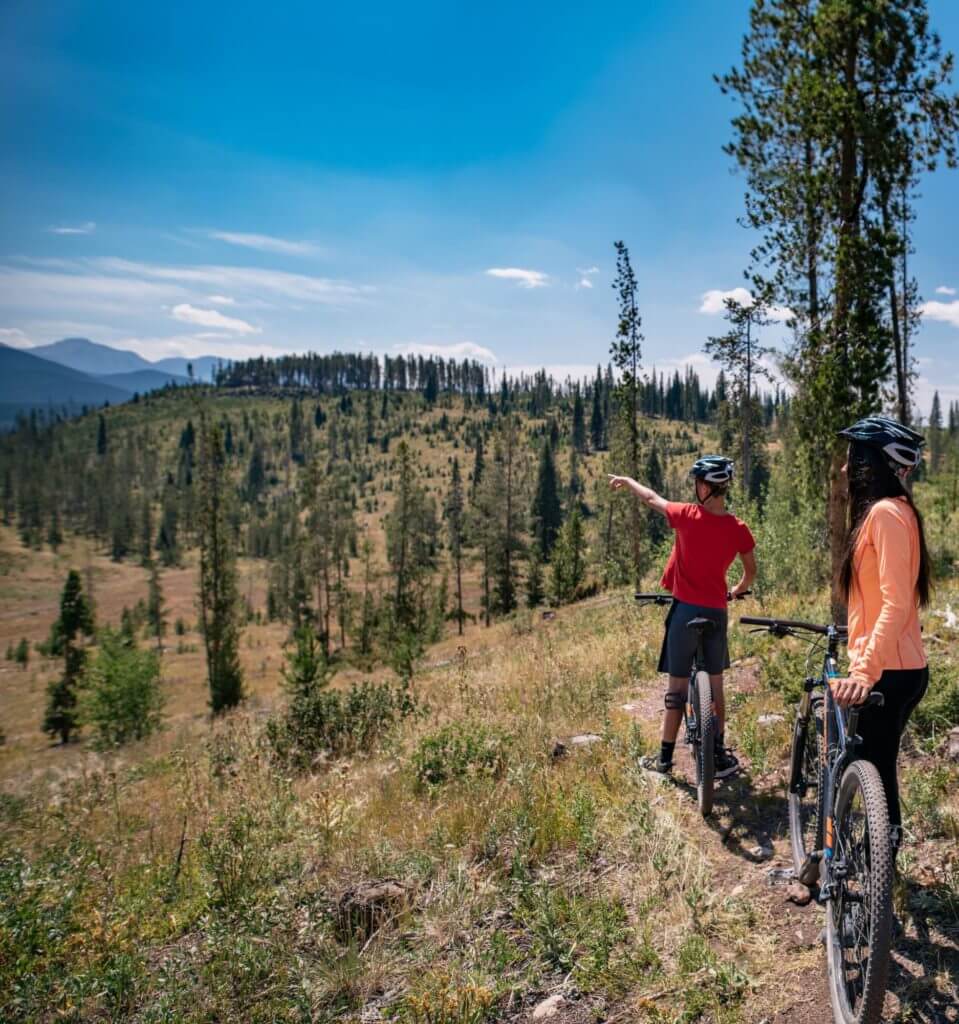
column 746, row 837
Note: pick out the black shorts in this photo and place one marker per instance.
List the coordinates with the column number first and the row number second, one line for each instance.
column 679, row 643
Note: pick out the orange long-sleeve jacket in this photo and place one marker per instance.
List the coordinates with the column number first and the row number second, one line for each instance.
column 883, row 602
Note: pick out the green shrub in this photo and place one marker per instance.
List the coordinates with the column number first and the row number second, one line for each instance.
column 319, row 720
column 457, row 751
column 120, row 694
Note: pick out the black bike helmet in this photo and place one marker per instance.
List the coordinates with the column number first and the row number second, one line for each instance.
column 714, row 469
column 901, row 445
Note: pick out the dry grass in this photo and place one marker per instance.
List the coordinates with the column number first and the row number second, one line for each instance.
column 190, row 878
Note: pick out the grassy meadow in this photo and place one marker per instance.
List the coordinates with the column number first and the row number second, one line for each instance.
column 458, row 870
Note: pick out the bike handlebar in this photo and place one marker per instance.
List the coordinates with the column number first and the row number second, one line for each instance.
column 783, row 626
column 668, row 598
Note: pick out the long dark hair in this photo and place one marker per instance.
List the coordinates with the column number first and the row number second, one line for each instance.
column 870, row 480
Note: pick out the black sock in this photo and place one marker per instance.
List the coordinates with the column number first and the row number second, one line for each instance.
column 720, row 740
column 666, row 751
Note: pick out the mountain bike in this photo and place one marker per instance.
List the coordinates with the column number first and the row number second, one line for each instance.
column 839, row 830
column 699, row 715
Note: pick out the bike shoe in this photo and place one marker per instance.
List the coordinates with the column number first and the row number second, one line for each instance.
column 653, row 764
column 726, row 763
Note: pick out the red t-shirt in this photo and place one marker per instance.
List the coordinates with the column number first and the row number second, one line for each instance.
column 705, row 547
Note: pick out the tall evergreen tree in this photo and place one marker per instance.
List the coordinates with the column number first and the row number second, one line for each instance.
column 841, row 108
column 219, row 598
column 579, row 421
column 410, row 547
column 454, row 512
column 568, row 568
column 156, row 606
column 738, row 353
column 935, row 434
column 597, row 426
column 101, row 435
column 547, row 513
column 75, row 621
column 627, row 357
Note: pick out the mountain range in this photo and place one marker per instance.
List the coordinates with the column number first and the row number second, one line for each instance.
column 74, row 373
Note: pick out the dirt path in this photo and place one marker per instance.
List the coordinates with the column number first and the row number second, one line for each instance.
column 746, row 838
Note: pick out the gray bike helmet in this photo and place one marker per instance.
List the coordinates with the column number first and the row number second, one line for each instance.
column 901, row 445
column 714, row 469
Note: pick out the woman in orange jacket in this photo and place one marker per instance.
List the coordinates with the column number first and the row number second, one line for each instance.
column 885, row 579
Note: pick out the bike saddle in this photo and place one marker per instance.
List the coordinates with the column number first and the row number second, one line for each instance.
column 700, row 624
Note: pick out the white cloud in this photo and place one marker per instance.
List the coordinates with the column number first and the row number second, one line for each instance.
column 453, row 350
column 49, row 291
column 584, row 283
column 221, row 300
column 14, row 337
column 714, row 301
column 265, row 243
column 524, row 278
column 946, row 312
column 944, row 289
column 229, row 280
column 211, row 318
column 587, row 270
column 77, row 229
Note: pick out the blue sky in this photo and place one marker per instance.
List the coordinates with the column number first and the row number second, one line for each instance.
column 236, row 178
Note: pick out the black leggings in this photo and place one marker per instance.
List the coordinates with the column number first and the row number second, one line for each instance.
column 881, row 729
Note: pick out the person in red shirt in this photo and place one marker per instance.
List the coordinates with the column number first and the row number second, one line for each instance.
column 708, row 540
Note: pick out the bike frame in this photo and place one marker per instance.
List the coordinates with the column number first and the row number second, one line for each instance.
column 841, row 740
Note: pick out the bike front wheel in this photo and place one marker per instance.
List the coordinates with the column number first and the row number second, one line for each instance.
column 859, row 914
column 704, row 749
column 806, row 795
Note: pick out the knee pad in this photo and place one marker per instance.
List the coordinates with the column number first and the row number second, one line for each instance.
column 674, row 701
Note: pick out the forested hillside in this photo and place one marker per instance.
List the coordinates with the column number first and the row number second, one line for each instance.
column 317, row 451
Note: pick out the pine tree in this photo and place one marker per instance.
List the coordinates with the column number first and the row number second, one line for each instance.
column 547, row 513
column 146, row 532
column 597, row 426
column 454, row 512
column 76, row 620
column 656, row 527
column 739, row 353
column 55, row 532
column 534, row 579
column 101, row 435
column 478, row 467
column 156, row 606
column 166, row 543
column 579, row 422
column 255, row 474
column 935, row 434
column 627, row 353
column 841, row 110
column 568, row 567
column 410, row 546
column 219, row 599
column 297, row 432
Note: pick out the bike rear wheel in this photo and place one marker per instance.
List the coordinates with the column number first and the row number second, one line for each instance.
column 704, row 748
column 859, row 915
column 806, row 795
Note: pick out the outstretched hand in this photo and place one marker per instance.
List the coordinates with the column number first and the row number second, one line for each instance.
column 617, row 483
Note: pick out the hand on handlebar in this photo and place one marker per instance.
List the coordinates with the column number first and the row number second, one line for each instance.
column 734, row 595
column 848, row 692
